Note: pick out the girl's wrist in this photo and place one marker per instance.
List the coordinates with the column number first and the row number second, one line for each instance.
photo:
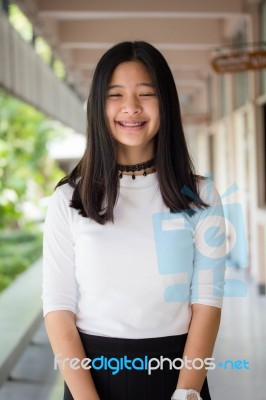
column 186, row 394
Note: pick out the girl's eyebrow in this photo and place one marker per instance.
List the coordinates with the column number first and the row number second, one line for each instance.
column 139, row 84
column 146, row 84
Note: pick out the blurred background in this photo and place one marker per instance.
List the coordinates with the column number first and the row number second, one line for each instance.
column 48, row 52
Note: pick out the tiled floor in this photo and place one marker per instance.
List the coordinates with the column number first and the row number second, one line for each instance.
column 33, row 377
column 242, row 336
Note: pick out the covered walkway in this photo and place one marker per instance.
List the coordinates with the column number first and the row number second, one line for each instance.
column 224, row 117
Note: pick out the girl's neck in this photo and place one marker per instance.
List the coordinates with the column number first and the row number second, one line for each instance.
column 133, row 158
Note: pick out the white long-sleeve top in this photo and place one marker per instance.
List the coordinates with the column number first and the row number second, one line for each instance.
column 138, row 277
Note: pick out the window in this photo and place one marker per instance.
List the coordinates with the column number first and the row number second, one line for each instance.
column 241, row 78
column 263, row 38
column 211, row 155
column 241, row 93
column 59, row 69
column 20, row 23
column 43, row 50
column 223, row 104
column 264, row 155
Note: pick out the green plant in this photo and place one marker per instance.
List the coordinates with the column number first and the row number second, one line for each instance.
column 18, row 250
column 27, row 174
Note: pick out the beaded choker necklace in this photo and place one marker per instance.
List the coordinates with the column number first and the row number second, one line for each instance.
column 137, row 167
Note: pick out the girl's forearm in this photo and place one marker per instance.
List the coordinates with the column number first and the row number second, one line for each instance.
column 200, row 343
column 67, row 345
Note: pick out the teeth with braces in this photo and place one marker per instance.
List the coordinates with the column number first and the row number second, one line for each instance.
column 131, row 123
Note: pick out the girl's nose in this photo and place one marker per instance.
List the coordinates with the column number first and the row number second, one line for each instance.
column 132, row 106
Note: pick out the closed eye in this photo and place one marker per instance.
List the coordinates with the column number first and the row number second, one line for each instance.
column 114, row 95
column 147, row 94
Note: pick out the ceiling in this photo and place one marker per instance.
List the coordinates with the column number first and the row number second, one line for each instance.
column 186, row 32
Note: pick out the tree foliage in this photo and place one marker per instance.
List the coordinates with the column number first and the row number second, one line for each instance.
column 26, row 171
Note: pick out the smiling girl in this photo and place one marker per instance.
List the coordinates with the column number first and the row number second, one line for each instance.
column 132, row 112
column 126, row 270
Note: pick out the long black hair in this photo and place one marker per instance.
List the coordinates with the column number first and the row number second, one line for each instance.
column 95, row 179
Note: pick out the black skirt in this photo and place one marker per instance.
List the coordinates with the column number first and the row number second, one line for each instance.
column 121, row 373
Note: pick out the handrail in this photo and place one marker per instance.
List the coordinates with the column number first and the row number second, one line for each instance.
column 20, row 316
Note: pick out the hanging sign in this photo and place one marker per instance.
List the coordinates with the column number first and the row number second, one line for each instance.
column 239, row 62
